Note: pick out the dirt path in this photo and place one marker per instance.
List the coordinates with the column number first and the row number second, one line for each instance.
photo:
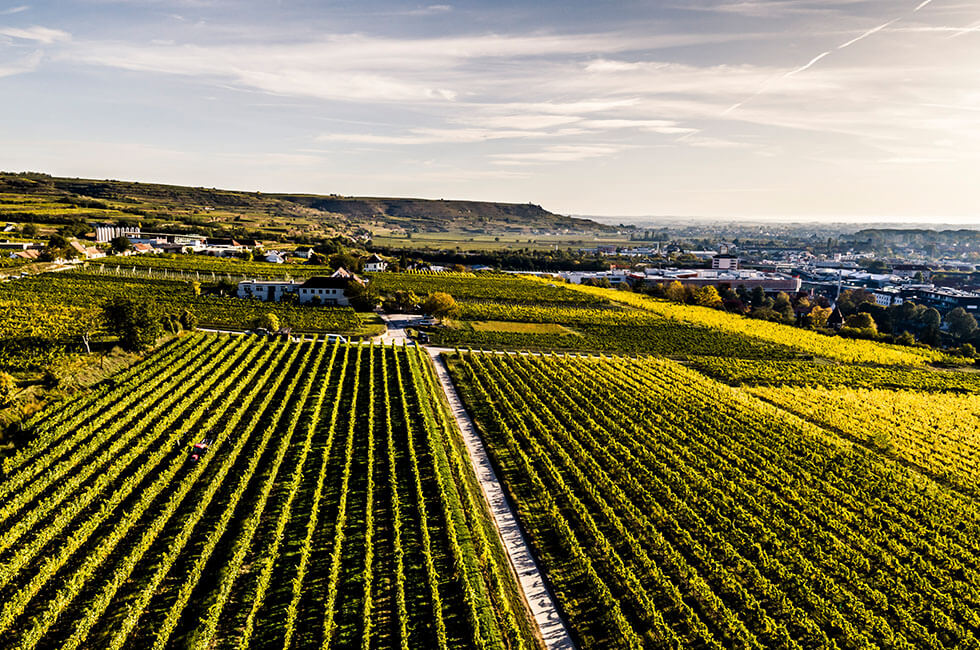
column 553, row 628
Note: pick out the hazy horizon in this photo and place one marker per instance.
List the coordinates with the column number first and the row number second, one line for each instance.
column 782, row 109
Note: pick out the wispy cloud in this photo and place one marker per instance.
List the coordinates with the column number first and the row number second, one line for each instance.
column 14, row 10
column 26, row 64
column 43, row 35
column 773, row 8
column 557, row 154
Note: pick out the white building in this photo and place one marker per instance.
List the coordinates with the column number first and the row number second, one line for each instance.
column 268, row 290
column 105, row 233
column 375, row 264
column 321, row 290
column 724, row 262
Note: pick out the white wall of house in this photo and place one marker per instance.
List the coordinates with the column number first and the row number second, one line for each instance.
column 326, row 296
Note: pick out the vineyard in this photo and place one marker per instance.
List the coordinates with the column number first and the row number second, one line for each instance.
column 85, row 290
column 204, row 267
column 939, row 433
column 751, row 372
column 804, row 341
column 335, row 508
column 671, row 510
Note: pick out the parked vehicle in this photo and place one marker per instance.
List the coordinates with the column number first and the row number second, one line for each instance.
column 200, row 449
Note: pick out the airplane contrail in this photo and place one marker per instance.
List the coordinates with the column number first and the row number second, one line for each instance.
column 816, row 59
column 873, row 30
column 812, row 62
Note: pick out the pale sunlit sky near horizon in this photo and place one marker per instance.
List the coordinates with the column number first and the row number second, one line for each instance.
column 720, row 108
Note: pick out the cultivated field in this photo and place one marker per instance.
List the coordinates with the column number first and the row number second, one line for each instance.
column 335, row 508
column 673, row 511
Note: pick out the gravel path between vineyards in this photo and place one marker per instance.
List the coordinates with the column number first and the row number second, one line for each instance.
column 553, row 628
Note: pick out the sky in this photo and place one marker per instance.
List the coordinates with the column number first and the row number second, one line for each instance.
column 795, row 109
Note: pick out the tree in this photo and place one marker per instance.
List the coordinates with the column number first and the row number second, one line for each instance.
column 759, row 298
column 676, row 292
column 707, row 296
column 268, row 321
column 905, row 338
column 862, row 321
column 135, row 322
column 8, row 388
column 87, row 324
column 440, row 305
column 120, row 244
column 930, row 326
column 59, row 248
column 29, row 230
column 819, row 316
column 401, row 302
column 961, row 324
column 362, row 297
column 350, row 262
column 851, row 299
column 188, row 320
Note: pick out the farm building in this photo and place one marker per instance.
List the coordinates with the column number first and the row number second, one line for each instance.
column 318, row 290
column 375, row 264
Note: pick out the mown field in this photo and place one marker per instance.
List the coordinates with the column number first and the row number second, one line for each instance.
column 672, row 511
column 335, row 509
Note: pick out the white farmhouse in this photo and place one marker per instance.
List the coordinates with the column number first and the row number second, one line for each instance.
column 267, row 290
column 375, row 264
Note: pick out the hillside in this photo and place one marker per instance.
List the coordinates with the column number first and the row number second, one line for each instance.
column 442, row 215
column 43, row 198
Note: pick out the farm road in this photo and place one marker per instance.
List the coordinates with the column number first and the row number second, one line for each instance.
column 553, row 628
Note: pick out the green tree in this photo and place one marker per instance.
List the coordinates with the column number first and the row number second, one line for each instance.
column 188, row 320
column 905, row 338
column 819, row 316
column 707, row 296
column 8, row 388
column 961, row 324
column 135, row 322
column 676, row 292
column 267, row 321
column 930, row 320
column 440, row 305
column 120, row 244
column 862, row 321
column 401, row 302
column 362, row 297
column 29, row 230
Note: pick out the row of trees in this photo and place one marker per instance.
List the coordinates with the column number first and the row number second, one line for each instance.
column 904, row 324
column 138, row 323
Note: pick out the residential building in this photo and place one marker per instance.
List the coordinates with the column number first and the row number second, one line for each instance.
column 267, row 290
column 375, row 264
column 321, row 290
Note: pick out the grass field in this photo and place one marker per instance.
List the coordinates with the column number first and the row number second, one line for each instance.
column 521, row 328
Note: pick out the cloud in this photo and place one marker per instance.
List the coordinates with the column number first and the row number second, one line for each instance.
column 27, row 64
column 43, row 35
column 774, row 8
column 432, row 136
column 557, row 154
column 14, row 10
